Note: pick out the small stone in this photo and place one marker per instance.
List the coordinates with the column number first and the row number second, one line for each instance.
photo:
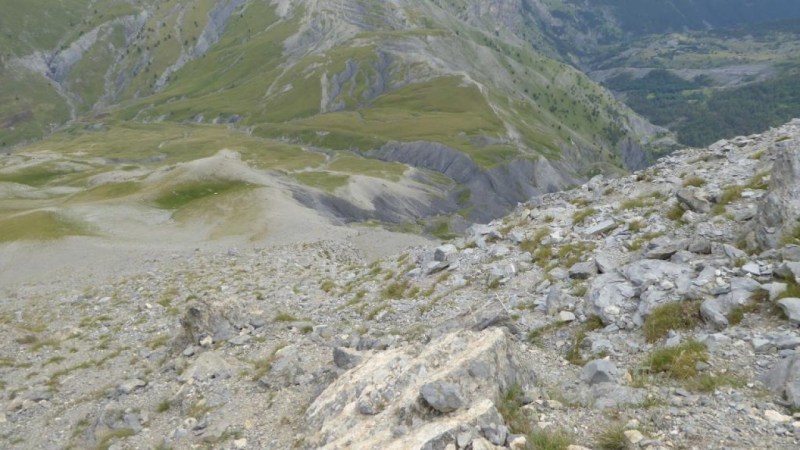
column 582, row 271
column 444, row 252
column 791, row 306
column 345, row 359
column 634, row 436
column 518, row 443
column 604, row 264
column 761, row 345
column 482, row 444
column 776, row 417
column 3, row 418
column 207, row 342
column 599, row 371
column 752, row 268
column 189, row 351
column 131, row 385
column 566, row 316
column 776, row 289
column 442, row 396
column 436, row 267
column 240, row 443
column 602, row 227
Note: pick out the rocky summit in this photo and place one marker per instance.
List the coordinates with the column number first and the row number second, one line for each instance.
column 656, row 310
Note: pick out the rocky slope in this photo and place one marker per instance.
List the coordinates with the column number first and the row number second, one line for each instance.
column 656, row 310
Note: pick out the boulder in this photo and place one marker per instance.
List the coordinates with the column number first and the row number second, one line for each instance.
column 791, row 307
column 779, row 210
column 692, row 200
column 609, row 295
column 600, row 371
column 442, row 396
column 664, row 247
column 582, row 270
column 208, row 366
column 784, row 379
column 345, row 359
column 219, row 320
column 445, row 387
column 444, row 252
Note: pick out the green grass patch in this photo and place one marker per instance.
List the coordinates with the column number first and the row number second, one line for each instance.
column 679, row 362
column 675, row 213
column 39, row 226
column 574, row 354
column 325, row 181
column 183, row 194
column 671, row 316
column 533, row 243
column 694, row 181
column 730, row 194
column 285, row 317
column 580, row 216
column 613, row 438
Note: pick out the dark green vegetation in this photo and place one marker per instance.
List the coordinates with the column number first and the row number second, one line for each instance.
column 701, row 115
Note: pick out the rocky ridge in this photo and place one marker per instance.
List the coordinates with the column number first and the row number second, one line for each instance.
column 637, row 312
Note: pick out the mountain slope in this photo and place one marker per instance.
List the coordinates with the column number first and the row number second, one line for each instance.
column 409, row 81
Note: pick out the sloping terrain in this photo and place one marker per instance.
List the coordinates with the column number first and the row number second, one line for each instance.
column 657, row 310
column 407, row 81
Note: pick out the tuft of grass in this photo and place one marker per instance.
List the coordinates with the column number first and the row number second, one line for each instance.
column 694, row 181
column 105, row 441
column 549, row 440
column 158, row 341
column 613, row 438
column 792, row 290
column 395, row 290
column 534, row 242
column 262, row 366
column 759, row 181
column 163, row 406
column 510, row 407
column 671, row 316
column 710, row 383
column 679, row 362
column 574, row 354
column 792, row 237
column 285, row 317
column 636, row 226
column 327, row 285
column 675, row 213
column 730, row 194
column 580, row 216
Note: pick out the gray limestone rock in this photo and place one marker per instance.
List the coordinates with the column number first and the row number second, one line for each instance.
column 664, row 247
column 442, row 396
column 713, row 312
column 600, row 371
column 582, row 271
column 208, row 366
column 779, row 211
column 789, row 271
column 604, row 264
column 609, row 294
column 784, row 379
column 129, row 386
column 444, row 252
column 693, row 200
column 791, row 306
column 345, row 359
